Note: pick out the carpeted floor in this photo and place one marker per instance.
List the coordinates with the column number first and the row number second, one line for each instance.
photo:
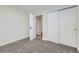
column 36, row 46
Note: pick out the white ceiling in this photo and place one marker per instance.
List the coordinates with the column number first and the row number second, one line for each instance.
column 35, row 9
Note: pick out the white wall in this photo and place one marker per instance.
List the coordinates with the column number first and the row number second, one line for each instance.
column 78, row 28
column 44, row 26
column 13, row 25
column 52, row 21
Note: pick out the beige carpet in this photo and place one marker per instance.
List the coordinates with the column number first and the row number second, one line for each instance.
column 36, row 46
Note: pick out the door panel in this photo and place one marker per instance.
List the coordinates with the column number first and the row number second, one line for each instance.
column 52, row 20
column 68, row 27
column 32, row 26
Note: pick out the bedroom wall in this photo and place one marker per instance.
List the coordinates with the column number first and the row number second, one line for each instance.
column 13, row 24
column 78, row 28
column 44, row 26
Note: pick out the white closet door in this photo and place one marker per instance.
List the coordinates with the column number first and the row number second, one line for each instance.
column 68, row 27
column 52, row 20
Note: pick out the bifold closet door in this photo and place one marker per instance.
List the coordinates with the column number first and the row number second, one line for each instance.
column 68, row 27
column 52, row 22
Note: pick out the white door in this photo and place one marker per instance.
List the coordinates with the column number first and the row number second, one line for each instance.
column 68, row 27
column 32, row 28
column 52, row 20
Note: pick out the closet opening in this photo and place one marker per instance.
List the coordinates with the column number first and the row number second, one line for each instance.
column 39, row 32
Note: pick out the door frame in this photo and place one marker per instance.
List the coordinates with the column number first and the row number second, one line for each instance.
column 44, row 36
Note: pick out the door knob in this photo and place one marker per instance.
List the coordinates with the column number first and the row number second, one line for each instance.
column 75, row 29
column 30, row 27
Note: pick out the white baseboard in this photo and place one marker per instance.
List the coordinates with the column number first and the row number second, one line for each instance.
column 78, row 49
column 13, row 41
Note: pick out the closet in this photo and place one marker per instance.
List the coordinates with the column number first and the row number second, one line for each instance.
column 62, row 26
column 68, row 27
